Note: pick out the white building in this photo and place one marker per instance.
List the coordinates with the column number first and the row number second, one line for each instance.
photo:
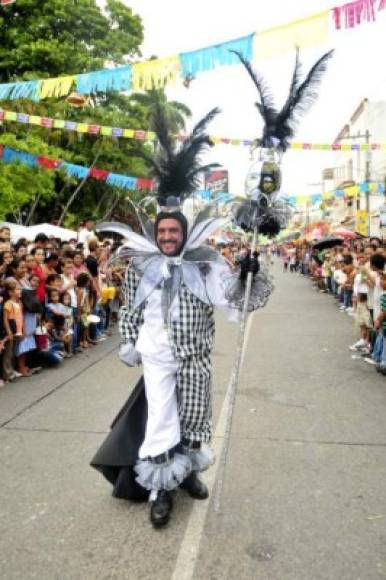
column 367, row 125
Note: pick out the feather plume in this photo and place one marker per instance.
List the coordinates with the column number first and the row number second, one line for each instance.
column 176, row 168
column 279, row 126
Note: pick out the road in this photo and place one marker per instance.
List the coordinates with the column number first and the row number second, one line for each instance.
column 304, row 494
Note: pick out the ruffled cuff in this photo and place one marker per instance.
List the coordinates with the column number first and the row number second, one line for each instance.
column 261, row 289
column 167, row 475
column 201, row 459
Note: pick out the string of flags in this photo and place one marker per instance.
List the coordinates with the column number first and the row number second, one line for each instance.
column 352, row 191
column 304, row 33
column 9, row 155
column 119, row 132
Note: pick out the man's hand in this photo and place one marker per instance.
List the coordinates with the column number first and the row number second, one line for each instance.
column 129, row 355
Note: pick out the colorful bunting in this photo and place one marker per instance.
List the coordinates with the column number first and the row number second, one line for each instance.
column 353, row 14
column 303, row 33
column 58, row 87
column 275, row 41
column 156, row 73
column 206, row 59
column 93, row 129
column 8, row 155
column 104, row 81
column 351, row 192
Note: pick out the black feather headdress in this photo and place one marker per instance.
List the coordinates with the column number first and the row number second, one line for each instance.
column 279, row 126
column 177, row 167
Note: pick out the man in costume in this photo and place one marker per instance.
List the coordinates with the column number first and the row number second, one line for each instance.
column 173, row 282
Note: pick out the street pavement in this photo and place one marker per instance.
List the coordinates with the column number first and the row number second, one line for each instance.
column 303, row 494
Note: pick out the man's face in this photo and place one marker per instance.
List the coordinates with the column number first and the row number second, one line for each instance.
column 90, row 225
column 5, row 234
column 170, row 236
column 67, row 269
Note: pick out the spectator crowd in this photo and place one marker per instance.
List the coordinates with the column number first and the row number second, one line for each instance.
column 354, row 274
column 57, row 299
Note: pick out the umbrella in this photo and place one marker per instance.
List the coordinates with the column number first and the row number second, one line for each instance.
column 328, row 242
column 347, row 234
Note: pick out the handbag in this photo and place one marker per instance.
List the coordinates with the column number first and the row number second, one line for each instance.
column 30, row 301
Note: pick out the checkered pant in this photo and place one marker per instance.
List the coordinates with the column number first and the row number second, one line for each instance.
column 194, row 398
column 191, row 337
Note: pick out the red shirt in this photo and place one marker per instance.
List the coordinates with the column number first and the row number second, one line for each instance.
column 41, row 291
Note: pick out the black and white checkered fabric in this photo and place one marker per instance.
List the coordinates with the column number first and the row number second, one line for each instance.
column 130, row 320
column 191, row 337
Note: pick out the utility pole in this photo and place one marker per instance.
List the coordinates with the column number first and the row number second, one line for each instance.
column 368, row 179
column 366, row 136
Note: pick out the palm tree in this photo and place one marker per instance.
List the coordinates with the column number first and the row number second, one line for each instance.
column 177, row 112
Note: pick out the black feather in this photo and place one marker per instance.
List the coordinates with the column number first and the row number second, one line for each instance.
column 279, row 127
column 266, row 106
column 300, row 99
column 177, row 167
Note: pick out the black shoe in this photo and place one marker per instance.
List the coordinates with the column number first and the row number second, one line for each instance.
column 161, row 508
column 195, row 488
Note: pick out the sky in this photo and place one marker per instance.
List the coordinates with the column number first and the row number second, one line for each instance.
column 173, row 26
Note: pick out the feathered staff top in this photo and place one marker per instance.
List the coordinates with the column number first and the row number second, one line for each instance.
column 177, row 168
column 280, row 125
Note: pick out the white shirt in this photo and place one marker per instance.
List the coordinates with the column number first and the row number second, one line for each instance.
column 84, row 236
column 153, row 340
column 378, row 291
column 71, row 290
column 359, row 286
column 340, row 277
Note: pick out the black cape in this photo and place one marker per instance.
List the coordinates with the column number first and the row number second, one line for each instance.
column 118, row 454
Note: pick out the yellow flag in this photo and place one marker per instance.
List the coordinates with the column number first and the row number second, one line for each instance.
column 352, row 191
column 58, row 87
column 155, row 73
column 362, row 222
column 303, row 33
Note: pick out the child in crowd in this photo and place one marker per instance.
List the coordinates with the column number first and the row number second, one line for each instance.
column 32, row 309
column 61, row 315
column 3, row 340
column 378, row 356
column 83, row 300
column 53, row 282
column 362, row 312
column 363, row 321
column 349, row 270
column 53, row 354
column 68, row 323
column 13, row 324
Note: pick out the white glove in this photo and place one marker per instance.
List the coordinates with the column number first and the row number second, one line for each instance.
column 129, row 355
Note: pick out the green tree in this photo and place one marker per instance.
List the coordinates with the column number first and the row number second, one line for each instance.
column 53, row 38
column 176, row 111
column 50, row 38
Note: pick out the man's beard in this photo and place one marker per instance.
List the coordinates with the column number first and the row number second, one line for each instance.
column 177, row 247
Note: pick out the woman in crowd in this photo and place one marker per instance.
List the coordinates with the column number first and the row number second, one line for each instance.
column 38, row 269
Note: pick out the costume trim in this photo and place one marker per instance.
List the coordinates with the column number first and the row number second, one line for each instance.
column 167, row 475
